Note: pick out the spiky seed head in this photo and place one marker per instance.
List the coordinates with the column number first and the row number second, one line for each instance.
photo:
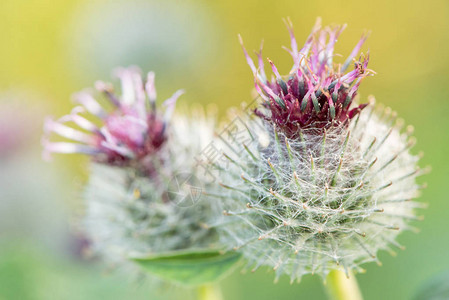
column 143, row 170
column 326, row 184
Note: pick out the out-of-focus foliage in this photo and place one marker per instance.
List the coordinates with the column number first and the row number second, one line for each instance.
column 191, row 267
column 436, row 288
column 58, row 47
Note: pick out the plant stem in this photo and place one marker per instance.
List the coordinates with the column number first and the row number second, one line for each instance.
column 340, row 287
column 209, row 292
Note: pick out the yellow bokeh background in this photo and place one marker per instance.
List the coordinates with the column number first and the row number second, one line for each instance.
column 54, row 48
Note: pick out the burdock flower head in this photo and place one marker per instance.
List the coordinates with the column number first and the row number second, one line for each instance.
column 327, row 182
column 143, row 183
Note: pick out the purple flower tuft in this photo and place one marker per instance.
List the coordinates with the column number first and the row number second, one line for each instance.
column 317, row 93
column 128, row 133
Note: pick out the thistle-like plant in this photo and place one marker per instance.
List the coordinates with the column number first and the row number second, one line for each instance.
column 325, row 182
column 143, row 198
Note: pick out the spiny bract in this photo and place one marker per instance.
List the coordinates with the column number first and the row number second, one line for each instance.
column 325, row 183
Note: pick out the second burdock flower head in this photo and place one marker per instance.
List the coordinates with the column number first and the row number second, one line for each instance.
column 131, row 131
column 143, row 194
column 326, row 182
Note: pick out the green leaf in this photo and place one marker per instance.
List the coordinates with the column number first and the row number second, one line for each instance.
column 436, row 288
column 189, row 268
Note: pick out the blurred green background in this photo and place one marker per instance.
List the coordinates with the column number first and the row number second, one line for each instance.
column 50, row 49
